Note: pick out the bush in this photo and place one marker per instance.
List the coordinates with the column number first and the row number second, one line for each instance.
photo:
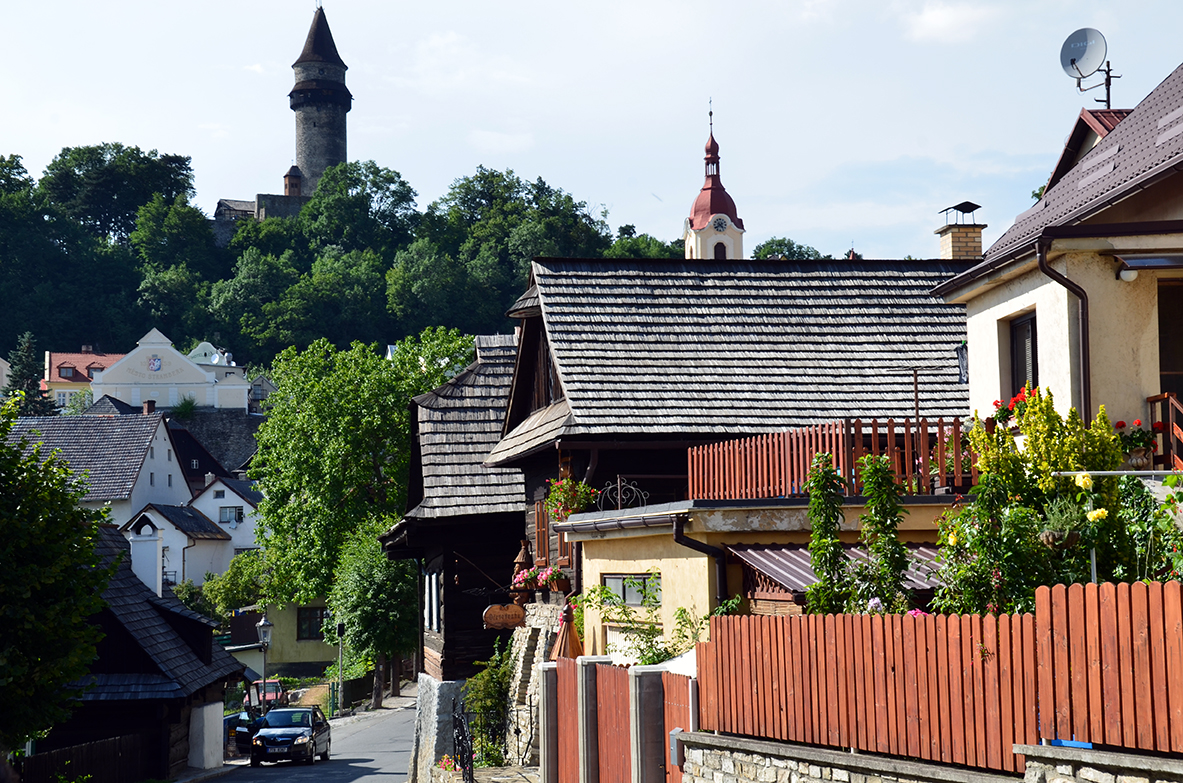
column 486, row 699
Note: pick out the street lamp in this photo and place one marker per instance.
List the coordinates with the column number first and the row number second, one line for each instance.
column 264, row 628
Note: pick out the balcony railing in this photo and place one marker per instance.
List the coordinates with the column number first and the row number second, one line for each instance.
column 1165, row 408
column 927, row 457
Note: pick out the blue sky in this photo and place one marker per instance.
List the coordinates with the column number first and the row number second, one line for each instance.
column 839, row 121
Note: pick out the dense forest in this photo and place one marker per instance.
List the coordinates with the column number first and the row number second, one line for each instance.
column 106, row 245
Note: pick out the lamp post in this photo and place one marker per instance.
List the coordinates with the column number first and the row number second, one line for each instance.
column 340, row 668
column 264, row 628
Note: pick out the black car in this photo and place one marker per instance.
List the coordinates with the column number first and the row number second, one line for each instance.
column 294, row 733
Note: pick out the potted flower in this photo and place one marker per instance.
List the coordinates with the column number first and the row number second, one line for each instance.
column 1138, row 444
column 566, row 497
column 551, row 578
column 1061, row 520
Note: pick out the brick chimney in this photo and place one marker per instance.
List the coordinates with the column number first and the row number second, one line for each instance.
column 961, row 241
column 149, row 407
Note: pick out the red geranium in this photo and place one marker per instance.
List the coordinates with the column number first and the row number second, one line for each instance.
column 1137, row 422
column 1158, row 426
column 1120, row 425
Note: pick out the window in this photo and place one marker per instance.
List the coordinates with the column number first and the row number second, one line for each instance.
column 310, row 622
column 170, row 479
column 195, row 465
column 66, row 372
column 151, row 479
column 230, row 514
column 1170, row 333
column 720, row 251
column 634, row 588
column 219, row 494
column 62, row 399
column 1024, row 354
column 170, row 455
column 151, row 452
column 433, row 602
column 238, row 551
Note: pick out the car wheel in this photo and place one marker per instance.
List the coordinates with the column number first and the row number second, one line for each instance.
column 325, row 756
column 311, row 756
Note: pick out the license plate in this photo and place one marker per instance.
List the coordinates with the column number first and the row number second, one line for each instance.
column 277, row 750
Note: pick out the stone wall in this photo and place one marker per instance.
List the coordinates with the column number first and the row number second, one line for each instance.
column 1051, row 764
column 433, row 725
column 530, row 646
column 711, row 758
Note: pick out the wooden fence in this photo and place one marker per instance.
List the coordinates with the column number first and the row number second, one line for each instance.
column 926, row 456
column 676, row 688
column 612, row 710
column 1111, row 664
column 116, row 760
column 568, row 720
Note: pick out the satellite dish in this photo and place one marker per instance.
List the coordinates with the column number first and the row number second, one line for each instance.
column 1083, row 52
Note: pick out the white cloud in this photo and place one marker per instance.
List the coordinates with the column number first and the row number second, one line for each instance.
column 942, row 22
column 492, row 141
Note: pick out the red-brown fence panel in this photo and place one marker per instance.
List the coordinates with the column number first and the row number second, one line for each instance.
column 612, row 724
column 568, row 720
column 676, row 688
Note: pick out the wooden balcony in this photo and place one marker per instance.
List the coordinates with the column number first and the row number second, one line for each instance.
column 1165, row 408
column 927, row 457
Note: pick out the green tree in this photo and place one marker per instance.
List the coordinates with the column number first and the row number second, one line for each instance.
column 878, row 584
column 51, row 582
column 242, row 584
column 79, row 402
column 176, row 301
column 783, row 247
column 376, row 598
column 426, row 286
column 173, row 233
column 825, row 488
column 629, row 244
column 103, row 186
column 334, row 451
column 360, row 206
column 239, row 304
column 24, row 379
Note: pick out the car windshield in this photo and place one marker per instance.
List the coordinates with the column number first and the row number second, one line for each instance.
column 284, row 719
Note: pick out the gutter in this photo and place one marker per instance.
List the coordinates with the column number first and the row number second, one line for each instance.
column 714, row 551
column 1042, row 245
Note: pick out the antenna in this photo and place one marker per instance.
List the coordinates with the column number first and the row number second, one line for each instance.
column 1081, row 56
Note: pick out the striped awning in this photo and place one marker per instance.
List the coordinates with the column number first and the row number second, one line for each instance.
column 788, row 564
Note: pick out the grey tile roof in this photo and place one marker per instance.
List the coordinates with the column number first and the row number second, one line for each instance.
column 109, row 406
column 458, row 424
column 188, row 520
column 246, row 490
column 109, row 449
column 1145, row 145
column 707, row 348
column 152, row 621
column 227, row 434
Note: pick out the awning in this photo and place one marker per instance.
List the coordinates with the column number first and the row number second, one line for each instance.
column 788, row 564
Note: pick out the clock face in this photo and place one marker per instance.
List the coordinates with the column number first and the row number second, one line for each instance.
column 720, row 224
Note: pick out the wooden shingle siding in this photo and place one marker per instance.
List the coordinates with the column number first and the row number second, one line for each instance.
column 701, row 348
column 458, row 424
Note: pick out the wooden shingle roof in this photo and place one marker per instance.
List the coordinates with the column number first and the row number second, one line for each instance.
column 110, row 450
column 457, row 425
column 706, row 348
column 160, row 626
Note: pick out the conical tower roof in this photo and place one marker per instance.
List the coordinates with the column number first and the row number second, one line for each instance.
column 713, row 199
column 319, row 46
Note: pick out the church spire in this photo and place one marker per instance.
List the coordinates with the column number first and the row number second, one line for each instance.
column 714, row 228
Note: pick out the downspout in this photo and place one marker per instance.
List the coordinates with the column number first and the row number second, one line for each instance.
column 714, row 551
column 1042, row 245
column 192, row 544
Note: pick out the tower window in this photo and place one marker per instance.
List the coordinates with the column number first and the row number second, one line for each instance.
column 720, row 251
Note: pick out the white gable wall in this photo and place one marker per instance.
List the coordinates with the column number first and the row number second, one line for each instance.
column 242, row 534
column 155, row 370
column 152, row 485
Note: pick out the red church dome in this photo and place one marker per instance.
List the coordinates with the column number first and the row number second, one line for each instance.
column 713, row 198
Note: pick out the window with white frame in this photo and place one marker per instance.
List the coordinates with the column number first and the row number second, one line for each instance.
column 228, row 514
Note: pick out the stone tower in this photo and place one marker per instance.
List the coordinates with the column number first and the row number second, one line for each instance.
column 320, row 100
column 714, row 229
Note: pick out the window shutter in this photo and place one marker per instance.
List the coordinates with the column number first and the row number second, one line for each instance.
column 541, row 535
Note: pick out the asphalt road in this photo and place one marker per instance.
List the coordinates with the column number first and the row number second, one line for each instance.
column 372, row 746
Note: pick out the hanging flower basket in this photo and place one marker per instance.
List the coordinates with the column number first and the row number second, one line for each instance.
column 1057, row 540
column 566, row 497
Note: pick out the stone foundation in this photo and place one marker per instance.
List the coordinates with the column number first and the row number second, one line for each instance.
column 1052, row 764
column 530, row 646
column 711, row 758
column 433, row 726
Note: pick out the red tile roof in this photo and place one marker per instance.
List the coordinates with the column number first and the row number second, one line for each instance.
column 80, row 362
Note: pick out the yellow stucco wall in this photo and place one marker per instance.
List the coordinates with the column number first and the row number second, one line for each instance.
column 285, row 648
column 688, row 577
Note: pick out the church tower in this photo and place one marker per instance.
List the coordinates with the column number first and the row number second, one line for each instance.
column 713, row 229
column 320, row 100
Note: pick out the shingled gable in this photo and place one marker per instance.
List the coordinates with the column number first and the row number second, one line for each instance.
column 109, row 450
column 455, row 426
column 670, row 350
column 188, row 520
column 178, row 655
column 1142, row 150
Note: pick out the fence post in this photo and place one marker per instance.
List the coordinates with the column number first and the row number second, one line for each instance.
column 589, row 737
column 548, row 722
column 646, row 702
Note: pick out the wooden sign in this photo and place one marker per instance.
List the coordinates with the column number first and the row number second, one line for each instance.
column 505, row 616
